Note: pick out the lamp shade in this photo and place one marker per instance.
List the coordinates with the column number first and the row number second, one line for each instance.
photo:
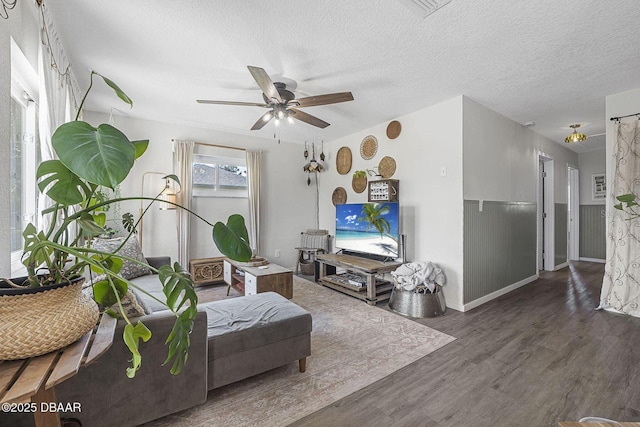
column 167, row 198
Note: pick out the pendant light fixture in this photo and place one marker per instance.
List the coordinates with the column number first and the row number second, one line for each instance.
column 575, row 136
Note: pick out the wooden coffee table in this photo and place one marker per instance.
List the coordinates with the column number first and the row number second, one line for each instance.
column 254, row 280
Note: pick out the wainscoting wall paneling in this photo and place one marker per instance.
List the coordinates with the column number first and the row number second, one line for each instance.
column 499, row 246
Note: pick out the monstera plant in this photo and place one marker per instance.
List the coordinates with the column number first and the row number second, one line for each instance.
column 91, row 158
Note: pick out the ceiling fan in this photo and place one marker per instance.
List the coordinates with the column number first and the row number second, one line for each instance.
column 282, row 103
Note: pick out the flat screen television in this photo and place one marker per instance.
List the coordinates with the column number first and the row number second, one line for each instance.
column 370, row 228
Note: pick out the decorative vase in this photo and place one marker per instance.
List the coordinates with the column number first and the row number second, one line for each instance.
column 35, row 321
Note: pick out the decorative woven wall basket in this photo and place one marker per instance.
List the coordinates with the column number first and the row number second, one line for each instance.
column 343, row 160
column 339, row 196
column 387, row 167
column 368, row 147
column 36, row 321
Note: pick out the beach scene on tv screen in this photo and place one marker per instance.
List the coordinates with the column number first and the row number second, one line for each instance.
column 368, row 227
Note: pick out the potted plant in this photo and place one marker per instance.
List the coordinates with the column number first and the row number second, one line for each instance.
column 90, row 159
column 359, row 181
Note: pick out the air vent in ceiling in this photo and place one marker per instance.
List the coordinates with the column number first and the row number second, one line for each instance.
column 424, row 8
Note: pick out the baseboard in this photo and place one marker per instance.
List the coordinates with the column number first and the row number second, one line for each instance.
column 455, row 306
column 498, row 293
column 601, row 261
column 561, row 266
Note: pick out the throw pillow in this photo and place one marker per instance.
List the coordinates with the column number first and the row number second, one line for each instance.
column 130, row 270
column 133, row 305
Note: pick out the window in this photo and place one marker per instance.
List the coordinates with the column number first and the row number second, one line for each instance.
column 215, row 176
column 25, row 158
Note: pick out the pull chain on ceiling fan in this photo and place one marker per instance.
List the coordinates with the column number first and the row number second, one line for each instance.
column 282, row 103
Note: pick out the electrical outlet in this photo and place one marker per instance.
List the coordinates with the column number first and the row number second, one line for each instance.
column 277, row 253
column 443, row 171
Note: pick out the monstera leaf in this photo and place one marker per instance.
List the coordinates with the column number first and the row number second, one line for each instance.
column 178, row 288
column 140, row 146
column 102, row 156
column 232, row 238
column 104, row 291
column 60, row 183
column 90, row 228
column 132, row 336
column 123, row 96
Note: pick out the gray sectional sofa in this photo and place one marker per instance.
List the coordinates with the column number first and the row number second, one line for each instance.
column 232, row 339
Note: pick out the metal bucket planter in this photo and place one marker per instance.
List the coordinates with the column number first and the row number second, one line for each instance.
column 35, row 321
column 418, row 304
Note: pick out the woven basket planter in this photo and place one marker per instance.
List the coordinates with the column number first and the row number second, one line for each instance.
column 35, row 321
column 359, row 183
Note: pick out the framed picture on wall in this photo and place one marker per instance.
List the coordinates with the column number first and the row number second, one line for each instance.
column 599, row 186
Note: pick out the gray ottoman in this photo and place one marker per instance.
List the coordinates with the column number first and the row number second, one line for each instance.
column 253, row 334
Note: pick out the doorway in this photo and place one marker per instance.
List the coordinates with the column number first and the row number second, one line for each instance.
column 573, row 213
column 546, row 251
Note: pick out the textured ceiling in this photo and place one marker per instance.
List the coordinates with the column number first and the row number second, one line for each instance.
column 548, row 61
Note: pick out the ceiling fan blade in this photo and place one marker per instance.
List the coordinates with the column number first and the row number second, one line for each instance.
column 264, row 81
column 331, row 98
column 307, row 118
column 250, row 104
column 263, row 120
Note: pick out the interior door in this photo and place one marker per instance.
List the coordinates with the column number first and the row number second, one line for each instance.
column 546, row 205
column 542, row 215
column 574, row 214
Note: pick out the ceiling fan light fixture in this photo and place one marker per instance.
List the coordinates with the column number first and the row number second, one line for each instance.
column 575, row 136
column 281, row 103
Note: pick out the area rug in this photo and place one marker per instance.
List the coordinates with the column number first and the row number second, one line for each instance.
column 352, row 345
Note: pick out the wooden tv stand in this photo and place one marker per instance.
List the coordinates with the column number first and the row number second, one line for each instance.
column 367, row 267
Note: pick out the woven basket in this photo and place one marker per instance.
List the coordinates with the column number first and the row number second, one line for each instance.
column 359, row 184
column 36, row 321
column 308, row 268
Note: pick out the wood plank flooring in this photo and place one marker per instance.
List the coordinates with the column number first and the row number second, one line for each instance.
column 534, row 357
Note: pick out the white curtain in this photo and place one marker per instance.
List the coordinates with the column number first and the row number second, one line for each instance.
column 183, row 159
column 254, row 161
column 621, row 284
column 57, row 86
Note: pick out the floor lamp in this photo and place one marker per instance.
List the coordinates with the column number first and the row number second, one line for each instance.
column 166, row 198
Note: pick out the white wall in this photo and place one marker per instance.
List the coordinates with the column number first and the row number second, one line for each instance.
column 589, row 163
column 23, row 26
column 501, row 157
column 287, row 204
column 430, row 205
